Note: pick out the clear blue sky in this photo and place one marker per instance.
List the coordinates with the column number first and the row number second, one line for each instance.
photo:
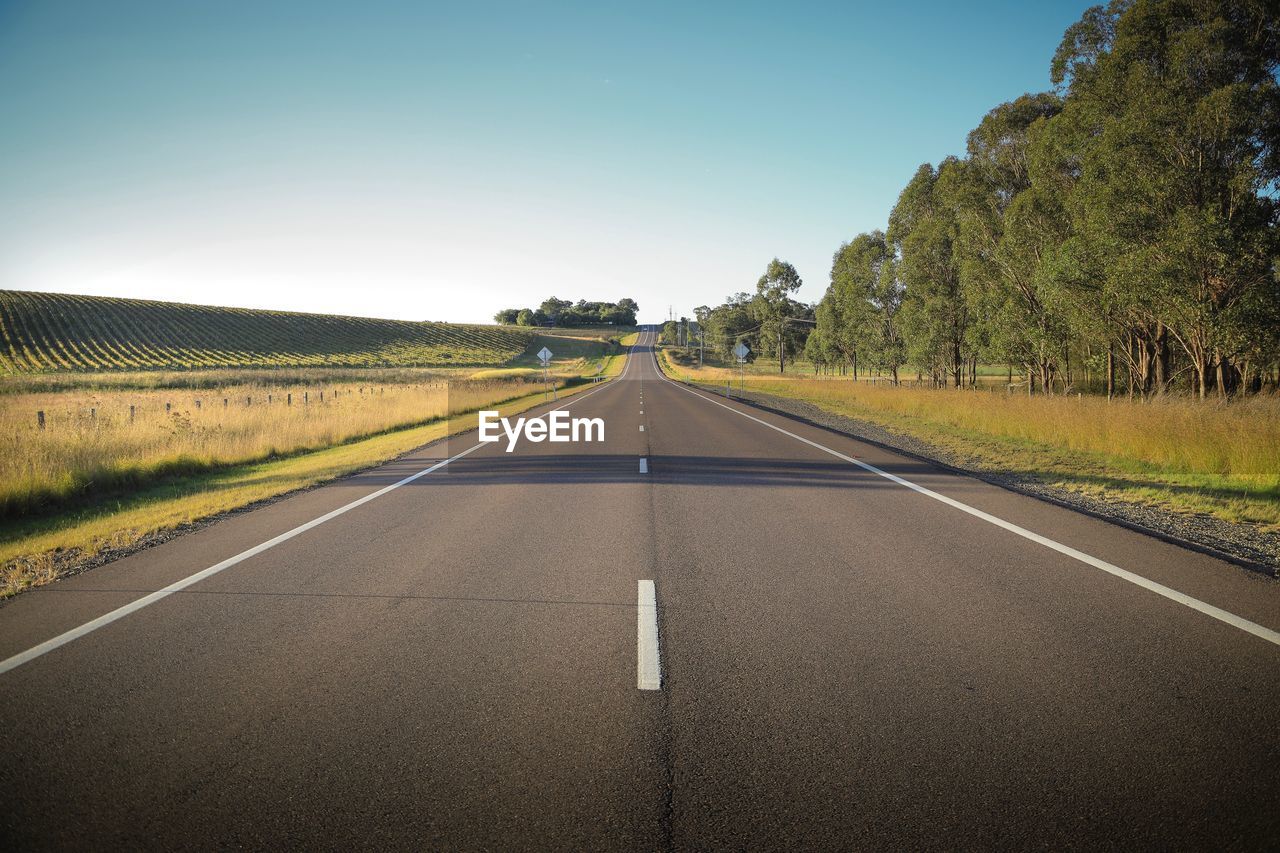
column 427, row 161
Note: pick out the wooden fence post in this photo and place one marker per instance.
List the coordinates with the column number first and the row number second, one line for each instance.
column 130, row 413
column 40, row 419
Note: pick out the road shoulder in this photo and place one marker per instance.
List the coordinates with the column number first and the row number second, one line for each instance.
column 1241, row 544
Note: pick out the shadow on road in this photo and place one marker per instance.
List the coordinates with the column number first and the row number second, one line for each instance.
column 624, row 468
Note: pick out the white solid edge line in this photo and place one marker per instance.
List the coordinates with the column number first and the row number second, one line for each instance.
column 177, row 586
column 648, row 664
column 1207, row 609
column 644, row 465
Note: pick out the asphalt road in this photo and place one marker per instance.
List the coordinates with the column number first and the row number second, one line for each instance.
column 842, row 661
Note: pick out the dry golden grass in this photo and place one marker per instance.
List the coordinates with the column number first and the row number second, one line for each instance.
column 1238, row 440
column 90, row 446
column 1190, row 455
column 36, row 550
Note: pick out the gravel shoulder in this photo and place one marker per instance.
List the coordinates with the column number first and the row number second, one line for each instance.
column 1243, row 544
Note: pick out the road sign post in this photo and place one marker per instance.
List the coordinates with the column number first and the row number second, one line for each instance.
column 741, row 351
column 544, row 356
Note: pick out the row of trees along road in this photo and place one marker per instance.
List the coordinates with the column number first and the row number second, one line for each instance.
column 1122, row 226
column 562, row 312
column 770, row 321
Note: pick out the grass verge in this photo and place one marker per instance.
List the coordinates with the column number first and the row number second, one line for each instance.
column 613, row 364
column 1181, row 455
column 35, row 551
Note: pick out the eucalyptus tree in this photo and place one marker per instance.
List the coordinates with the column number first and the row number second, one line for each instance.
column 1172, row 129
column 728, row 324
column 820, row 350
column 924, row 230
column 855, row 277
column 889, row 345
column 1032, row 308
column 829, row 341
column 1130, row 217
column 1007, row 315
column 773, row 304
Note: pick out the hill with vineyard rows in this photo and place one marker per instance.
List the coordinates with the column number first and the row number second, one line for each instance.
column 53, row 332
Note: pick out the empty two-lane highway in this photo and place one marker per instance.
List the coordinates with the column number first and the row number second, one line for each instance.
column 716, row 628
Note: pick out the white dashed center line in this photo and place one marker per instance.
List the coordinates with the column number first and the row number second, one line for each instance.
column 648, row 664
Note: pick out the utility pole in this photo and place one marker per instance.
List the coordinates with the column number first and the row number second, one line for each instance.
column 782, row 325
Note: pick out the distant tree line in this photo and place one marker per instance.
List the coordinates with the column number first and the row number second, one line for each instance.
column 1121, row 228
column 562, row 312
column 772, row 323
